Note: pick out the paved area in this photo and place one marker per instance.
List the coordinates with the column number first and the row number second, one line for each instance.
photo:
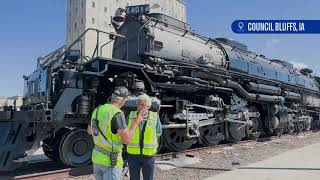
column 177, row 162
column 299, row 164
column 39, row 156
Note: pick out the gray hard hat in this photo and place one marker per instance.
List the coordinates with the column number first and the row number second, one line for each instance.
column 121, row 91
column 139, row 85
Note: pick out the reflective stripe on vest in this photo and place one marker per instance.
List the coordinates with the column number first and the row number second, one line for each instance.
column 112, row 143
column 150, row 141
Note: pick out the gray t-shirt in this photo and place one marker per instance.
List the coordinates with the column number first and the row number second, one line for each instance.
column 118, row 122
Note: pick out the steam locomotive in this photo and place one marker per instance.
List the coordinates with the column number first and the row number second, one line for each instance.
column 210, row 90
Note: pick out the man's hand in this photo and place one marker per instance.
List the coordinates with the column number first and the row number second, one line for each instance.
column 126, row 134
column 89, row 131
column 141, row 115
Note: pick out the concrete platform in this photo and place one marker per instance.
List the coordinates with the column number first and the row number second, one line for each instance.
column 39, row 156
column 299, row 164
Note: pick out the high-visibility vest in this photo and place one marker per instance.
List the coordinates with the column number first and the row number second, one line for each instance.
column 104, row 147
column 150, row 140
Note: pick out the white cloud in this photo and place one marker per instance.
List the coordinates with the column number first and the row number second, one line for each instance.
column 298, row 65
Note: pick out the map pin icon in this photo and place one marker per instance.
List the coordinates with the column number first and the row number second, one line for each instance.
column 240, row 25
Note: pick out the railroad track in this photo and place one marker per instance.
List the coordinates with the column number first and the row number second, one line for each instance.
column 62, row 173
column 86, row 170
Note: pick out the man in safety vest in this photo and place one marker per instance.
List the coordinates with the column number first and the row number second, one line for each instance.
column 109, row 131
column 144, row 144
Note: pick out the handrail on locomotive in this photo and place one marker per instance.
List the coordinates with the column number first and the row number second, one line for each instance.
column 96, row 52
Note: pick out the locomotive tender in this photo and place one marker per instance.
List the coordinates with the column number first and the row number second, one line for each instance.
column 210, row 90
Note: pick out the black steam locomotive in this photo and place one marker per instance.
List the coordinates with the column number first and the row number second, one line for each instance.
column 210, row 90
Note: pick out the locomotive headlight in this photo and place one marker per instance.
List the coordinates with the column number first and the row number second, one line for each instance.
column 120, row 16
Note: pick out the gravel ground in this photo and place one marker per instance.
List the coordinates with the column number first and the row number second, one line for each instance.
column 232, row 158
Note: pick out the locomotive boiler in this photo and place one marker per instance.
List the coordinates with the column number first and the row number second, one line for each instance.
column 210, row 90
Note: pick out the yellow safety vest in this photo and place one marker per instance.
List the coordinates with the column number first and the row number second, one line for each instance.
column 150, row 140
column 103, row 148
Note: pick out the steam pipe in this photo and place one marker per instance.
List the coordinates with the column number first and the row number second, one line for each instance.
column 234, row 85
column 173, row 126
column 263, row 88
column 291, row 95
column 251, row 96
column 192, row 79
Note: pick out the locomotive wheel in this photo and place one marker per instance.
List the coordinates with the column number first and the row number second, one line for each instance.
column 299, row 127
column 237, row 131
column 278, row 131
column 76, row 148
column 307, row 126
column 290, row 128
column 51, row 144
column 176, row 140
column 212, row 134
column 253, row 131
column 50, row 147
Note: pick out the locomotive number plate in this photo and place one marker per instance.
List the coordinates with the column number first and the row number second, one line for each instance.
column 139, row 9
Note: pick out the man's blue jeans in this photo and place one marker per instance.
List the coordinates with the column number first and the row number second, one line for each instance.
column 137, row 162
column 106, row 173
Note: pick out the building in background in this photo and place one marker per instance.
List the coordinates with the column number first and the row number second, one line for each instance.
column 97, row 14
column 10, row 101
column 3, row 101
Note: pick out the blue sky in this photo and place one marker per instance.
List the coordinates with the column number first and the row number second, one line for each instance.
column 33, row 28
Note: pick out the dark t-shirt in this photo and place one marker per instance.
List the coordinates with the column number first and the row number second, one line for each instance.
column 118, row 122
